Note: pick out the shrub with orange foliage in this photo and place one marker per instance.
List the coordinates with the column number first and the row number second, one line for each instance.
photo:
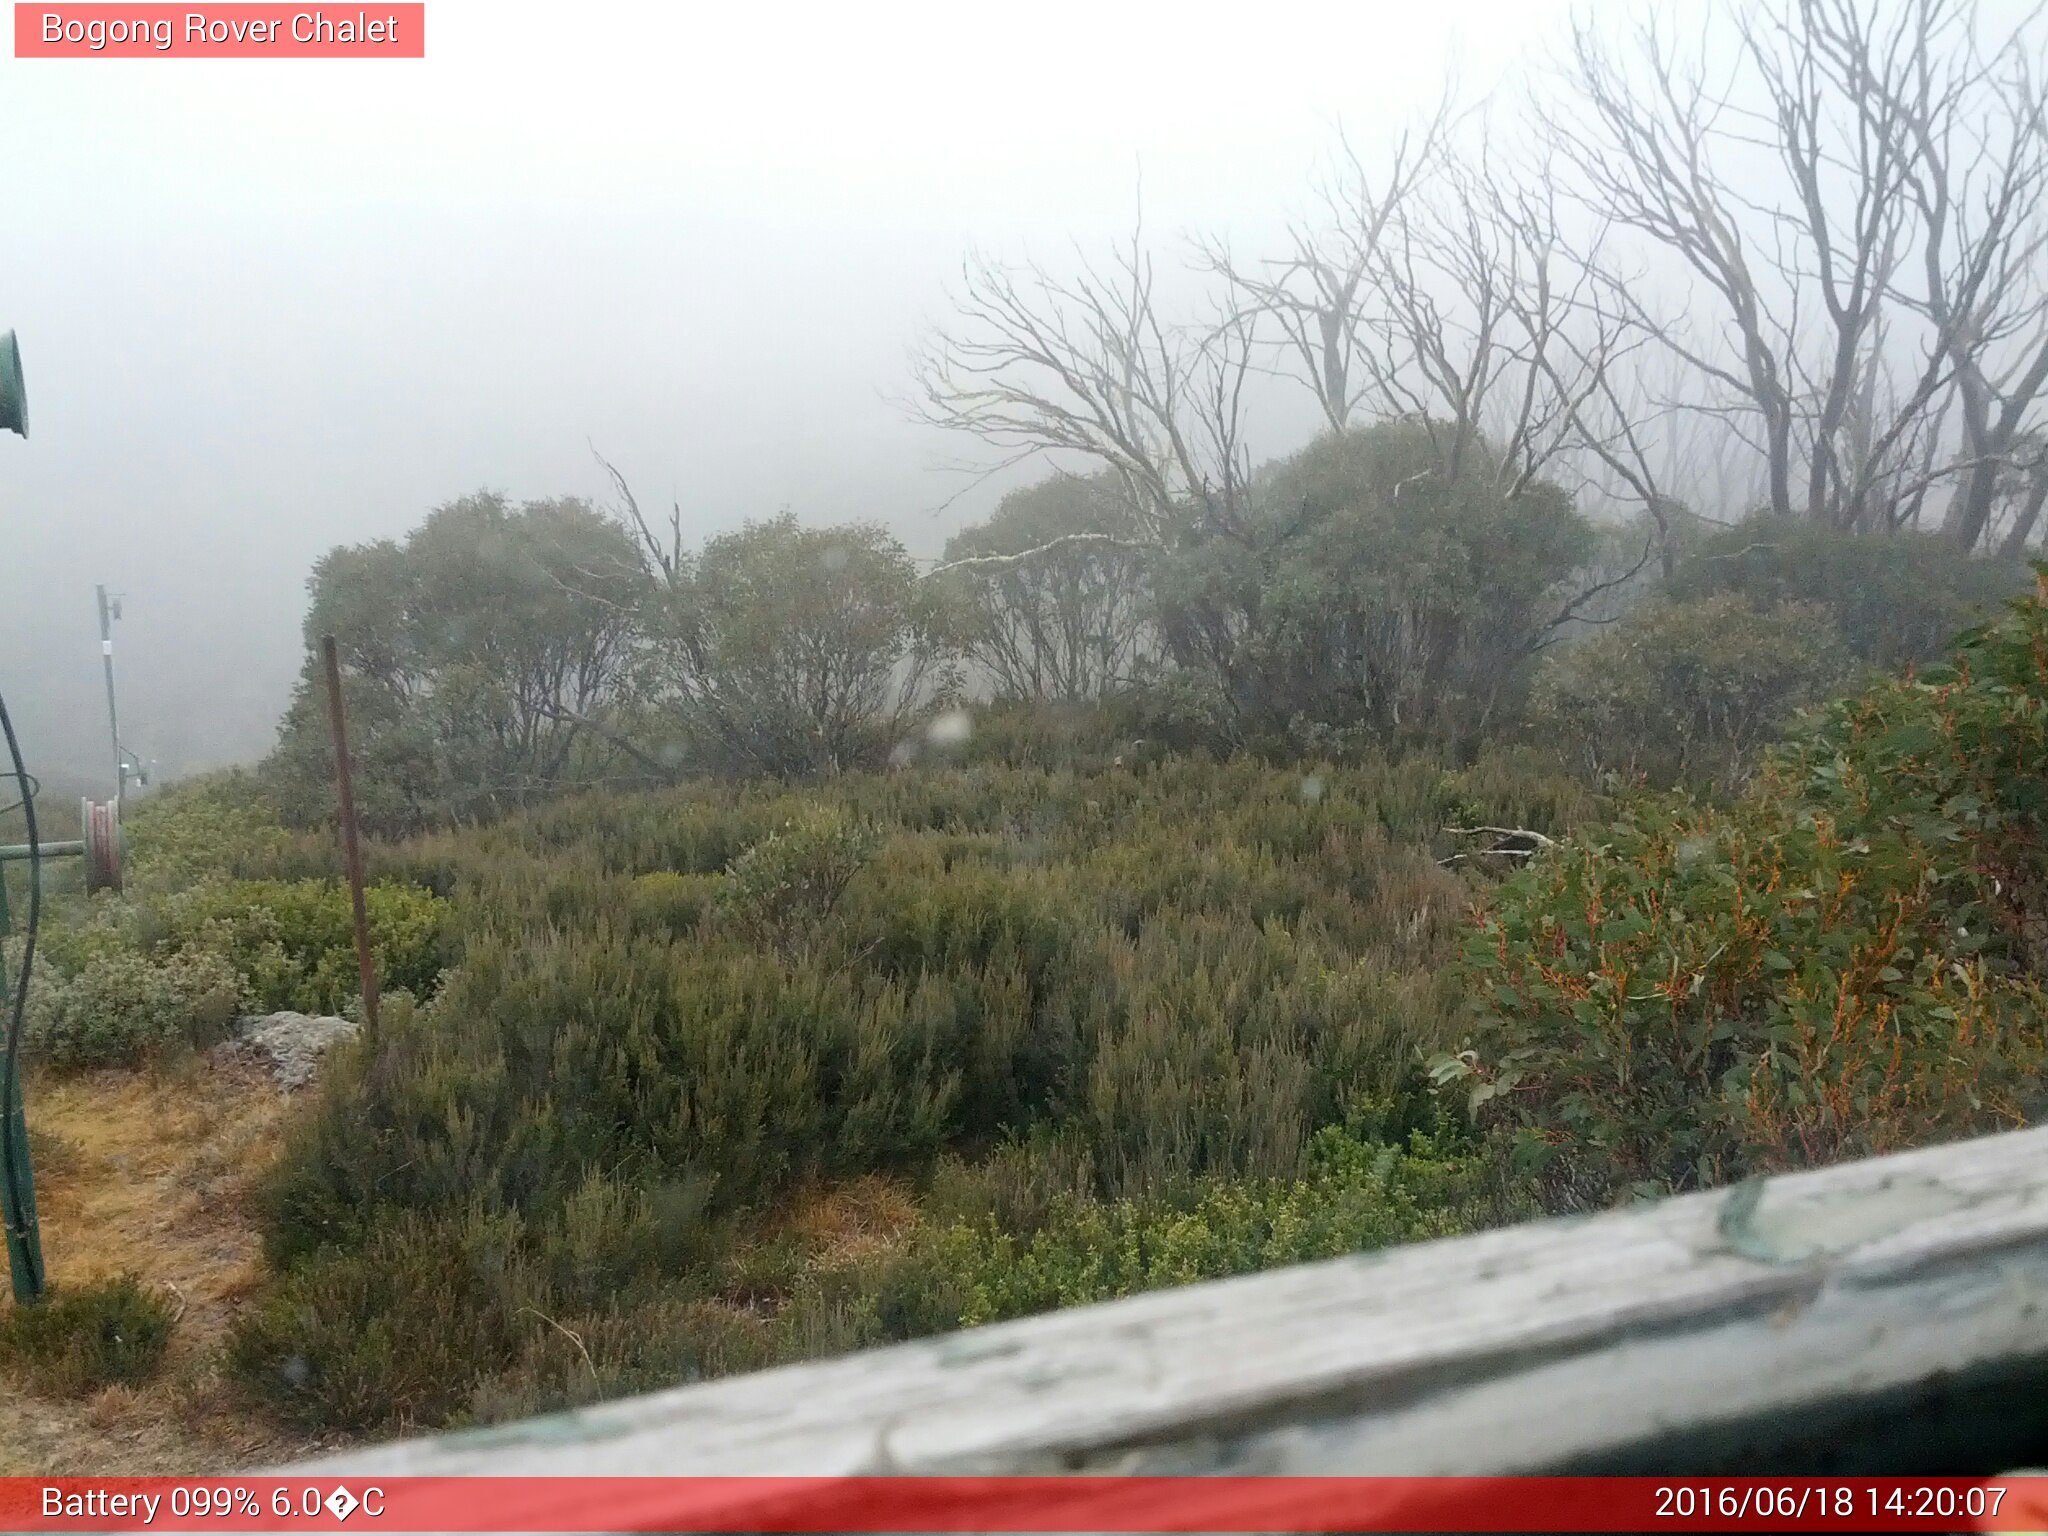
column 1847, row 960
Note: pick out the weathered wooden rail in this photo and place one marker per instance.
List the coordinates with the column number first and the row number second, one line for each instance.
column 1881, row 1316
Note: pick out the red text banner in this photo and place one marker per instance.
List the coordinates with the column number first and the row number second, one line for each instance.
column 1051, row 1504
column 225, row 31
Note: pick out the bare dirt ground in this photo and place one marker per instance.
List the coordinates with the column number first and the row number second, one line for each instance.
column 151, row 1173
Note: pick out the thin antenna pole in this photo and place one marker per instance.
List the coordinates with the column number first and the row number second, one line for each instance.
column 351, row 850
column 113, row 716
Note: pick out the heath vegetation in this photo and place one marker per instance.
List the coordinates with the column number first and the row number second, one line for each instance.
column 1555, row 784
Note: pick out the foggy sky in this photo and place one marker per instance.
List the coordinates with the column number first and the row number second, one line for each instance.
column 270, row 306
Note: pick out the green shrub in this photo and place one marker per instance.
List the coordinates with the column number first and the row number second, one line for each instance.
column 1844, row 962
column 394, row 1332
column 1373, row 585
column 293, row 941
column 1109, row 987
column 1690, row 691
column 120, row 979
column 471, row 1315
column 1897, row 600
column 74, row 1342
column 665, row 902
column 780, row 891
column 216, row 824
column 1358, row 1191
column 447, row 1319
column 77, row 936
column 126, row 1008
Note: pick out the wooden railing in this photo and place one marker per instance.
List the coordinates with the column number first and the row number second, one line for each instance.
column 1880, row 1316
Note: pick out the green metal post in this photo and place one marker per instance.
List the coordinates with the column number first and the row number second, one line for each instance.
column 13, row 395
column 24, row 1237
column 17, row 1194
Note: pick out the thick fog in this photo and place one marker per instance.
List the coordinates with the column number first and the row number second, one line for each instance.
column 270, row 306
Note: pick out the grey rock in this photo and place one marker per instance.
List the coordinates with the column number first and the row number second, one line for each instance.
column 290, row 1044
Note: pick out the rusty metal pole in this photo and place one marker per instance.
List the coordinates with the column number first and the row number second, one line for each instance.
column 351, row 851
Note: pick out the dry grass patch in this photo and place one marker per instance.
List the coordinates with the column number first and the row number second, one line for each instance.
column 150, row 1173
column 841, row 1224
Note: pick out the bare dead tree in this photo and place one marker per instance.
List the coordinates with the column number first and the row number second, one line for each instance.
column 665, row 557
column 1857, row 186
column 1976, row 146
column 1641, row 135
column 2025, row 489
column 1448, row 293
column 1026, row 556
column 1493, row 331
column 1089, row 367
column 1318, row 293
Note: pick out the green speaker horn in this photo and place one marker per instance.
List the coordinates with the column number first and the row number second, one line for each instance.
column 13, row 393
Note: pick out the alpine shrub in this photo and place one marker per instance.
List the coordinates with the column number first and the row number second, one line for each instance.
column 75, row 1341
column 1845, row 961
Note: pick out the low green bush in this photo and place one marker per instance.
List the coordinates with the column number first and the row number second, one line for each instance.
column 127, row 1008
column 444, row 1321
column 1845, row 961
column 780, row 891
column 293, row 941
column 122, row 978
column 675, row 1011
column 1356, row 1192
column 1897, row 600
column 76, row 936
column 393, row 1332
column 468, row 1314
column 666, row 903
column 215, row 824
column 75, row 1341
column 1689, row 692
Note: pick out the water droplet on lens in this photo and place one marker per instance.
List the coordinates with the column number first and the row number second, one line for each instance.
column 950, row 729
